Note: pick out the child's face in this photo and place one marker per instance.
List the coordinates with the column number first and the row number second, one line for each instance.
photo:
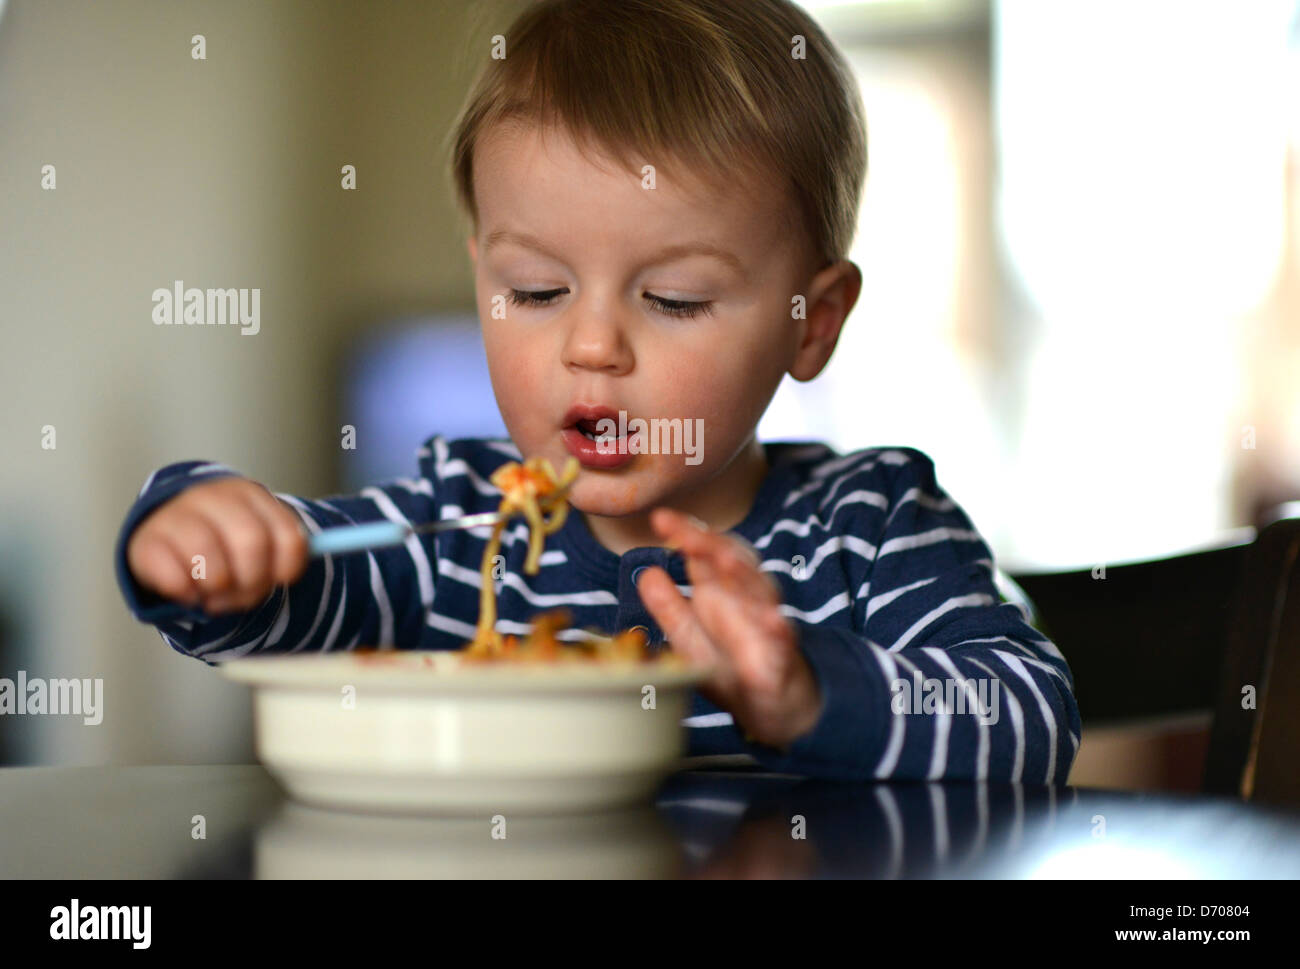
column 552, row 218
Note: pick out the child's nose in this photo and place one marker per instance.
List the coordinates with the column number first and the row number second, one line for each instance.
column 598, row 344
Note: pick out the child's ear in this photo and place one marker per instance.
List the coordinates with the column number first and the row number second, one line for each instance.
column 831, row 297
column 473, row 250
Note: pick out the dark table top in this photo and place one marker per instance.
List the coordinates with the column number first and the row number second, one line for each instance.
column 143, row 822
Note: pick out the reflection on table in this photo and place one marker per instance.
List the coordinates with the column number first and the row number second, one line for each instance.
column 113, row 822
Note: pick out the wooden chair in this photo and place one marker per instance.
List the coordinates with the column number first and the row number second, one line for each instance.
column 1255, row 751
column 1187, row 635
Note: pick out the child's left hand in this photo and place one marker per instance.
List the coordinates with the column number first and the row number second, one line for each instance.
column 732, row 622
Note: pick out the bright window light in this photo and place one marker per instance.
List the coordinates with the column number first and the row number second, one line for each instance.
column 1142, row 156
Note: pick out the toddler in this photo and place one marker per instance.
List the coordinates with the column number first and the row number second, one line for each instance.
column 661, row 196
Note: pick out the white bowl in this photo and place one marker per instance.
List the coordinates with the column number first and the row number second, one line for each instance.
column 428, row 733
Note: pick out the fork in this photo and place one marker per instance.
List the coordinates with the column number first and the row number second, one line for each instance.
column 346, row 539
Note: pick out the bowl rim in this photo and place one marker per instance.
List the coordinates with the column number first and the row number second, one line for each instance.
column 446, row 672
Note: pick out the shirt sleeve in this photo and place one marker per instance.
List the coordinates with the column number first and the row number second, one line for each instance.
column 938, row 678
column 367, row 598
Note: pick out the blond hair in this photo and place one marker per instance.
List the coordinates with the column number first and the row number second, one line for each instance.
column 714, row 84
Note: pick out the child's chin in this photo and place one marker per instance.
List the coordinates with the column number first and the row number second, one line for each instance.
column 609, row 499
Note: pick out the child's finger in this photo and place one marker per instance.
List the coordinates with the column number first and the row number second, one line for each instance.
column 738, row 629
column 158, row 566
column 693, row 539
column 680, row 531
column 247, row 543
column 191, row 535
column 674, row 615
column 700, row 571
column 668, row 606
column 713, row 556
column 289, row 542
column 689, row 537
column 739, row 565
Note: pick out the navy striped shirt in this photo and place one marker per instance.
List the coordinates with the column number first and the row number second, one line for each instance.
column 924, row 671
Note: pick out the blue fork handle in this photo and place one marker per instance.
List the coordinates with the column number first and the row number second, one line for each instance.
column 357, row 538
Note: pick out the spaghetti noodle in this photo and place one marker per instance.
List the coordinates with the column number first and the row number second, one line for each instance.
column 534, row 489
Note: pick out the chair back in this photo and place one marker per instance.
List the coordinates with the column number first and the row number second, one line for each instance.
column 1215, row 630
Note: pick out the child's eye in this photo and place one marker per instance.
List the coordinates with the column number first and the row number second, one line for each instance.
column 542, row 297
column 672, row 307
column 676, row 307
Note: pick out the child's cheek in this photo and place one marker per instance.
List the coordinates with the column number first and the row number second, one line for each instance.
column 720, row 407
column 511, row 379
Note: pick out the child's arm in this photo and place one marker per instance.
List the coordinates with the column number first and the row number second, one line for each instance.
column 255, row 590
column 932, row 610
column 929, row 607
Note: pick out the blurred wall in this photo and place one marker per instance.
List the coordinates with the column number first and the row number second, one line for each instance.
column 223, row 172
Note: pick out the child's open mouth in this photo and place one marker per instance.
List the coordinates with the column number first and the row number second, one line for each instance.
column 591, row 434
column 588, row 428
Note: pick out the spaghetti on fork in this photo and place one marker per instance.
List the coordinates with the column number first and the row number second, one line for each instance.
column 535, row 490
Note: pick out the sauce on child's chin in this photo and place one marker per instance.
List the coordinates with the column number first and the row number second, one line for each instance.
column 608, row 500
column 618, row 493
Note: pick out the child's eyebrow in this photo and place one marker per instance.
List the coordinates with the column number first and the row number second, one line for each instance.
column 664, row 255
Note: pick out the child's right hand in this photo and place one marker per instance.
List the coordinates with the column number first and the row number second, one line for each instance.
column 250, row 542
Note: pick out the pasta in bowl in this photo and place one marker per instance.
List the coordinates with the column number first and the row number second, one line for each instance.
column 534, row 724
